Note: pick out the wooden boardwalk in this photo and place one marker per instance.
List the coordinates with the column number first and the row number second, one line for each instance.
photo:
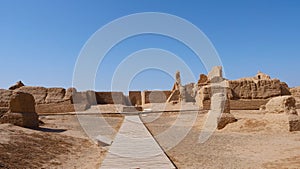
column 134, row 147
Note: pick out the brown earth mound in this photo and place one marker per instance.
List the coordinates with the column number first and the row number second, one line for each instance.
column 24, row 148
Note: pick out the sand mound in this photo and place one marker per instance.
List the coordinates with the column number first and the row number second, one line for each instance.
column 247, row 125
column 22, row 147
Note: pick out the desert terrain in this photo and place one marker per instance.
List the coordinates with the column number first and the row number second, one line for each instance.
column 252, row 142
column 215, row 123
column 60, row 142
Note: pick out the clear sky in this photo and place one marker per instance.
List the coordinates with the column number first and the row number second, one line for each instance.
column 40, row 40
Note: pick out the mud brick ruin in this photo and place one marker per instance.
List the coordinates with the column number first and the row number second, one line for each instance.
column 250, row 93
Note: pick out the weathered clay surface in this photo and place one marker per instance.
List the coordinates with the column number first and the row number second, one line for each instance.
column 294, row 122
column 55, row 95
column 225, row 119
column 21, row 111
column 69, row 93
column 282, row 104
column 135, row 98
column 220, row 102
column 203, row 80
column 215, row 72
column 62, row 107
column 296, row 93
column 262, row 89
column 39, row 93
column 22, row 102
column 5, row 97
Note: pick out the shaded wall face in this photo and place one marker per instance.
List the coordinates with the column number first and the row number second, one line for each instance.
column 156, row 96
column 135, row 97
column 189, row 92
column 110, row 98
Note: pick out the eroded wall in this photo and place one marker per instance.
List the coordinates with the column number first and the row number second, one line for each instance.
column 156, row 96
column 135, row 97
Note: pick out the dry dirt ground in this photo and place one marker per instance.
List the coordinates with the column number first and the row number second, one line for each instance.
column 255, row 141
column 59, row 143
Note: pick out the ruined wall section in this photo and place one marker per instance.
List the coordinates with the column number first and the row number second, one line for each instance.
column 135, row 97
column 262, row 89
column 296, row 94
column 245, row 93
column 156, row 96
column 110, row 98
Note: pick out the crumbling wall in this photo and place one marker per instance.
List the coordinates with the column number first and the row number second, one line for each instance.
column 189, row 92
column 61, row 107
column 44, row 95
column 204, row 95
column 296, row 94
column 39, row 93
column 5, row 97
column 82, row 100
column 246, row 93
column 262, row 89
column 135, row 97
column 55, row 95
column 203, row 80
column 181, row 93
column 247, row 104
column 174, row 96
column 56, row 100
column 240, row 104
column 262, row 76
column 110, row 98
column 21, row 111
column 156, row 96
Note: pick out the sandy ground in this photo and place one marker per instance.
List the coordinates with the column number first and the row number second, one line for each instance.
column 255, row 141
column 59, row 143
column 106, row 108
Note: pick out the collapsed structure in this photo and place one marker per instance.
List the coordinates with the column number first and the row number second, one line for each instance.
column 245, row 93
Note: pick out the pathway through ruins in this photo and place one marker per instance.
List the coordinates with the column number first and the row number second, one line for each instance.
column 134, row 147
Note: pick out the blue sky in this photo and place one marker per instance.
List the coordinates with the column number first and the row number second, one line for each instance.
column 41, row 40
